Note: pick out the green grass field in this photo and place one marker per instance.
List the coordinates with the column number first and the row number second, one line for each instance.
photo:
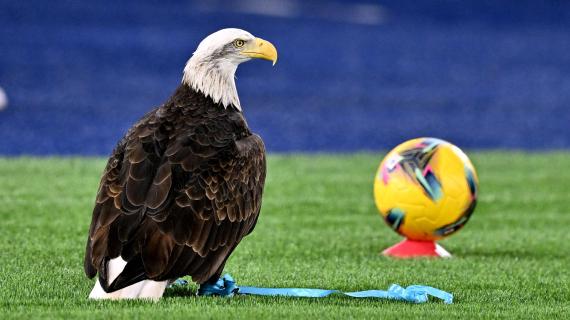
column 318, row 228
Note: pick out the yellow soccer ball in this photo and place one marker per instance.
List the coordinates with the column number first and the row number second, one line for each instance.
column 426, row 189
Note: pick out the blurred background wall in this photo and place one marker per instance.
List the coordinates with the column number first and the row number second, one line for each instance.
column 352, row 75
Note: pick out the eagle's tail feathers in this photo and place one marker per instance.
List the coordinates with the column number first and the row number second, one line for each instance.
column 142, row 289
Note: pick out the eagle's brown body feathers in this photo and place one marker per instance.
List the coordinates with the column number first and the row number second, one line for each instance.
column 179, row 192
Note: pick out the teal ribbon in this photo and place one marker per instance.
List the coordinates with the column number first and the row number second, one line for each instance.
column 226, row 287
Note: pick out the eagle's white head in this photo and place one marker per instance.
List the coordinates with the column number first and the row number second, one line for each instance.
column 211, row 69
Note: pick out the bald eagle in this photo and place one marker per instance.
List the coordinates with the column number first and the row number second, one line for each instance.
column 184, row 186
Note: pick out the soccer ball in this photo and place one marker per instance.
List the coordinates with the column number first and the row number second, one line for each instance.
column 426, row 189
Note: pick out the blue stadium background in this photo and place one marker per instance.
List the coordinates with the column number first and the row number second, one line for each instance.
column 361, row 75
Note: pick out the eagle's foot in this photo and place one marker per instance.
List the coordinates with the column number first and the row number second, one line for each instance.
column 178, row 283
column 224, row 287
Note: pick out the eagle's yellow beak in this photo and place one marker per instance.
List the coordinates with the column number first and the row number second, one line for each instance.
column 260, row 48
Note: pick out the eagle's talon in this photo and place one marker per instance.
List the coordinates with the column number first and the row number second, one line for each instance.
column 224, row 287
column 178, row 283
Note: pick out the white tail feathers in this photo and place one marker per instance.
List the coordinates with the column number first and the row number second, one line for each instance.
column 146, row 289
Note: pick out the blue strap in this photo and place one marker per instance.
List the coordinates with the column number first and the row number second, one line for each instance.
column 178, row 283
column 286, row 292
column 415, row 294
column 226, row 287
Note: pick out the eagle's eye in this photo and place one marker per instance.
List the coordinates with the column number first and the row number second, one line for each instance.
column 238, row 43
